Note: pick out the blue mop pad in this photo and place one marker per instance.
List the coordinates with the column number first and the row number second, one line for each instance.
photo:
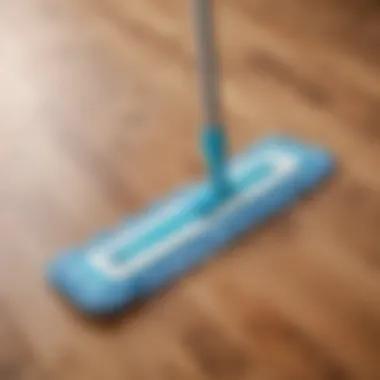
column 155, row 248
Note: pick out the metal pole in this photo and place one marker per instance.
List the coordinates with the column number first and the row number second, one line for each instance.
column 207, row 62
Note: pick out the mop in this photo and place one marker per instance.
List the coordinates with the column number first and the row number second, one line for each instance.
column 153, row 249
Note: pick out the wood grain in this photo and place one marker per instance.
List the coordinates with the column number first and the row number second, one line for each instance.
column 98, row 115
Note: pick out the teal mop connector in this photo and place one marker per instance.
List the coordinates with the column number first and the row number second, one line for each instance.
column 215, row 153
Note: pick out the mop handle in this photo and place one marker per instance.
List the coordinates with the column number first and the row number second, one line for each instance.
column 207, row 62
column 213, row 135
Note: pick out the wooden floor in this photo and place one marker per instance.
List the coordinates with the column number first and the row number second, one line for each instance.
column 98, row 115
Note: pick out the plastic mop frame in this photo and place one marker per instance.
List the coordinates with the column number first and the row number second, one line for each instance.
column 150, row 250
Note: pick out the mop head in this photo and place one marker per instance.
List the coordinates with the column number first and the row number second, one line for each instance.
column 153, row 249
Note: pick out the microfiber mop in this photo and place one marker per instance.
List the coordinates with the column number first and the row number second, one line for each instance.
column 151, row 250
